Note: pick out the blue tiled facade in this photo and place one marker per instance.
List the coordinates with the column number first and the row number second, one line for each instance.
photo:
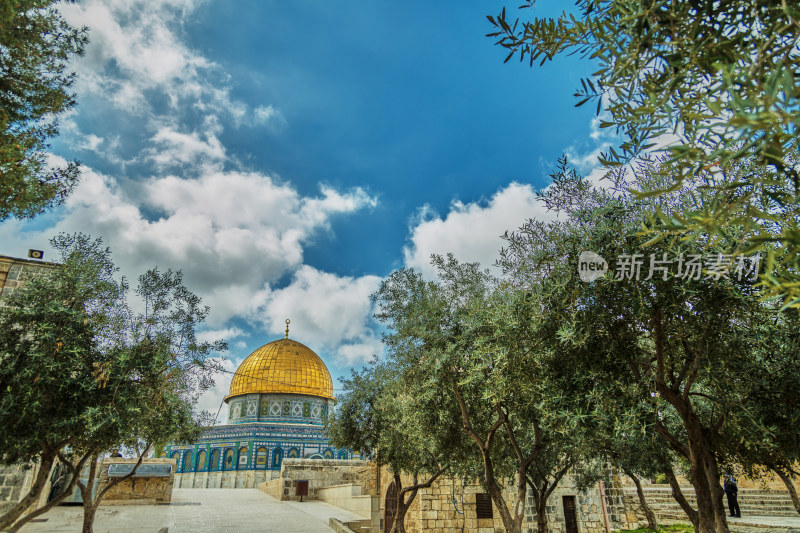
column 262, row 430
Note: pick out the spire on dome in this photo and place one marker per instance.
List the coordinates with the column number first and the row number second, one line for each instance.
column 287, row 328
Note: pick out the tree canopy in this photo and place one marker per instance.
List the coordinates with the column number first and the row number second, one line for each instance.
column 474, row 378
column 713, row 85
column 82, row 374
column 660, row 352
column 373, row 417
column 36, row 45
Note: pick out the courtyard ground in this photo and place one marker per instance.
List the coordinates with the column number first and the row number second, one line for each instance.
column 252, row 511
column 201, row 510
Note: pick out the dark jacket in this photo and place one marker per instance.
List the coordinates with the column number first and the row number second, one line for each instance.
column 730, row 487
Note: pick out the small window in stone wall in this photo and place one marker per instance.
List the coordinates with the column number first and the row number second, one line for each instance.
column 483, row 505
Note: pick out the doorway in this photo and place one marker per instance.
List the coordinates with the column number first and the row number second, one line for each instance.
column 390, row 508
column 570, row 516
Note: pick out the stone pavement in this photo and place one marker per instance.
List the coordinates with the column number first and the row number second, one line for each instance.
column 765, row 524
column 201, row 511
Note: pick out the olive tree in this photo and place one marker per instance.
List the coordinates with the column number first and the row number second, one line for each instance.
column 82, row 374
column 373, row 418
column 36, row 44
column 714, row 86
column 474, row 376
column 671, row 320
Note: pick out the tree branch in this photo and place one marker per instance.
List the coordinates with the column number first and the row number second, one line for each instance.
column 119, row 480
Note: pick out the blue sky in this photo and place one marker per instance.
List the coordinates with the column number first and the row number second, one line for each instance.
column 289, row 155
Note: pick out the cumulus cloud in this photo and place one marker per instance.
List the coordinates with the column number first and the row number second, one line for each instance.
column 233, row 233
column 264, row 113
column 330, row 312
column 472, row 231
column 171, row 148
column 227, row 334
column 136, row 47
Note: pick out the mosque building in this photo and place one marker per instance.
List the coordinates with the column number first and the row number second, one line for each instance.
column 278, row 404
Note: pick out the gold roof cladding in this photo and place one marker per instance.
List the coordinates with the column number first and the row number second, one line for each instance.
column 282, row 366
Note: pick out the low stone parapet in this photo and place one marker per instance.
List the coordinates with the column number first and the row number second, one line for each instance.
column 272, row 487
column 349, row 497
column 138, row 489
column 319, row 473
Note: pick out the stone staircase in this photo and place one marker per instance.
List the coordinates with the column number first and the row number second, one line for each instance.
column 751, row 501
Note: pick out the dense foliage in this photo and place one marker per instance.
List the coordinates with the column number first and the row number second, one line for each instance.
column 82, row 374
column 36, row 44
column 714, row 85
column 685, row 353
column 373, row 417
column 473, row 380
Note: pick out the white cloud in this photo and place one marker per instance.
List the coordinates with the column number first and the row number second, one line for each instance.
column 136, row 46
column 472, row 231
column 328, row 312
column 171, row 147
column 264, row 113
column 227, row 334
column 232, row 233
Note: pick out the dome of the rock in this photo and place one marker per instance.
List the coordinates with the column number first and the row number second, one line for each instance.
column 282, row 366
column 279, row 401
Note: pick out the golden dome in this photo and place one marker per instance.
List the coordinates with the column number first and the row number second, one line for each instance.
column 282, row 366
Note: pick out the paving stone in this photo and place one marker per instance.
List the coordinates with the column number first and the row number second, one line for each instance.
column 199, row 511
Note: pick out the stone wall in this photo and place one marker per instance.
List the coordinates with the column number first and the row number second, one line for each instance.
column 588, row 506
column 144, row 490
column 228, row 479
column 319, row 473
column 273, row 488
column 15, row 272
column 450, row 504
column 350, row 498
column 15, row 482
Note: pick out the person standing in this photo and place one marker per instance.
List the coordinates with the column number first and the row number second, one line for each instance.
column 731, row 491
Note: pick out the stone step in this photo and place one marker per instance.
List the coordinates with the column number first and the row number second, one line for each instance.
column 676, row 509
column 766, row 505
column 754, row 502
column 751, row 498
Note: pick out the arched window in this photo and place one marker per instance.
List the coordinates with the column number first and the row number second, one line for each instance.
column 328, row 454
column 228, row 460
column 242, row 462
column 277, row 458
column 201, row 461
column 342, row 454
column 293, row 453
column 261, row 458
column 214, row 464
column 187, row 461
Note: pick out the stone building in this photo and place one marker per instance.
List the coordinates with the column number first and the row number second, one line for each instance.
column 14, row 272
column 278, row 404
column 451, row 504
